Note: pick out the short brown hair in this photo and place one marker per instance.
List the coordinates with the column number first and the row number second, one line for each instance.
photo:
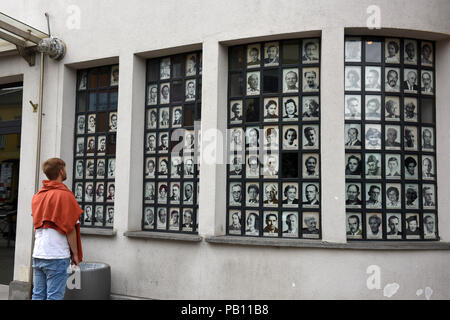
column 52, row 166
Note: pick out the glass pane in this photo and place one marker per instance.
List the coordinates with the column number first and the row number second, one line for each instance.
column 81, row 102
column 236, row 85
column 11, row 103
column 103, row 77
column 252, row 110
column 177, row 62
column 153, row 70
column 198, row 115
column 188, row 116
column 177, row 90
column 92, row 79
column 10, row 149
column 102, row 100
column 289, row 165
column 111, row 148
column 270, row 81
column 427, row 111
column 237, row 58
column 199, row 88
column 92, row 101
column 113, row 99
column 290, row 52
column 373, row 51
column 101, row 122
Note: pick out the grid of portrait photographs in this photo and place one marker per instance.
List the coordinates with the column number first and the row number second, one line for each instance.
column 95, row 145
column 171, row 166
column 273, row 170
column 391, row 190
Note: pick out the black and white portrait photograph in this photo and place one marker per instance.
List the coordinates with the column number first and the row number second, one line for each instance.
column 394, row 226
column 252, row 194
column 310, row 79
column 188, row 193
column 352, row 78
column 175, row 193
column 91, row 123
column 152, row 118
column 290, row 80
column 290, row 195
column 163, row 191
column 354, row 225
column 373, row 136
column 290, row 109
column 89, row 192
column 353, row 136
column 190, row 90
column 235, row 222
column 353, row 167
column 410, row 138
column 101, row 145
column 101, row 168
column 149, row 218
column 412, row 226
column 252, row 223
column 374, row 228
column 410, row 55
column 79, row 169
column 165, row 93
column 152, row 95
column 189, row 167
column 393, row 137
column 270, row 198
column 428, row 194
column 412, row 196
column 410, row 80
column 87, row 219
column 410, row 107
column 112, row 122
column 310, row 136
column 311, row 194
column 165, row 69
column 163, row 142
column 352, row 107
column 352, row 50
column 81, row 121
column 252, row 138
column 392, row 81
column 90, row 148
column 111, row 168
column 236, row 139
column 164, row 118
column 391, row 108
column 271, row 109
column 427, row 84
column 428, row 167
column 429, row 226
column 191, row 64
column 310, row 225
column 353, row 195
column 310, row 165
column 373, row 79
column 271, row 137
column 149, row 192
column 236, row 111
column 235, row 198
column 393, row 196
column 99, row 192
column 110, row 192
column 163, row 167
column 177, row 117
column 392, row 51
column 310, row 52
column 253, row 55
column 311, row 108
column 427, row 54
column 290, row 137
column 373, row 196
column 253, row 83
column 427, row 139
column 290, row 224
column 90, row 168
column 373, row 107
column 393, row 166
column 373, row 165
column 114, row 75
column 252, row 167
column 98, row 216
column 78, row 191
column 270, row 165
column 411, row 167
column 235, row 166
column 83, row 81
column 271, row 54
column 150, row 167
column 270, row 225
column 161, row 218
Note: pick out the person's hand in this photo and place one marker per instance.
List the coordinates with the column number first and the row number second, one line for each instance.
column 75, row 260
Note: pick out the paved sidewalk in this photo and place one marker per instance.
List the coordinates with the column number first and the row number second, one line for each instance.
column 4, row 290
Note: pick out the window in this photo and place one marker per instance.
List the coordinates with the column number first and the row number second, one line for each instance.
column 390, row 139
column 95, row 144
column 273, row 171
column 173, row 105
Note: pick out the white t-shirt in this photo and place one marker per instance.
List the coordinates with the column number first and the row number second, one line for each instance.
column 50, row 244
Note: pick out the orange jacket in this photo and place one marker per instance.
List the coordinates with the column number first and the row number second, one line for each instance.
column 55, row 206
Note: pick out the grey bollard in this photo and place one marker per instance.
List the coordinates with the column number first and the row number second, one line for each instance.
column 94, row 282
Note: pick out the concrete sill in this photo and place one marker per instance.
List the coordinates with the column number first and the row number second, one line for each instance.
column 98, row 232
column 304, row 243
column 163, row 236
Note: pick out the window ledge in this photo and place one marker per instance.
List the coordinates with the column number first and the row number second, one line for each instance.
column 98, row 232
column 304, row 243
column 163, row 236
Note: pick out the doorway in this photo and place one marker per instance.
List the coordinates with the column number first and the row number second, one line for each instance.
column 10, row 130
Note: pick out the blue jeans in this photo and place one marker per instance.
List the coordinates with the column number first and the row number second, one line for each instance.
column 50, row 277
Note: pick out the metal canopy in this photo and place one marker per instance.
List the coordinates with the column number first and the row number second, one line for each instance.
column 18, row 37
